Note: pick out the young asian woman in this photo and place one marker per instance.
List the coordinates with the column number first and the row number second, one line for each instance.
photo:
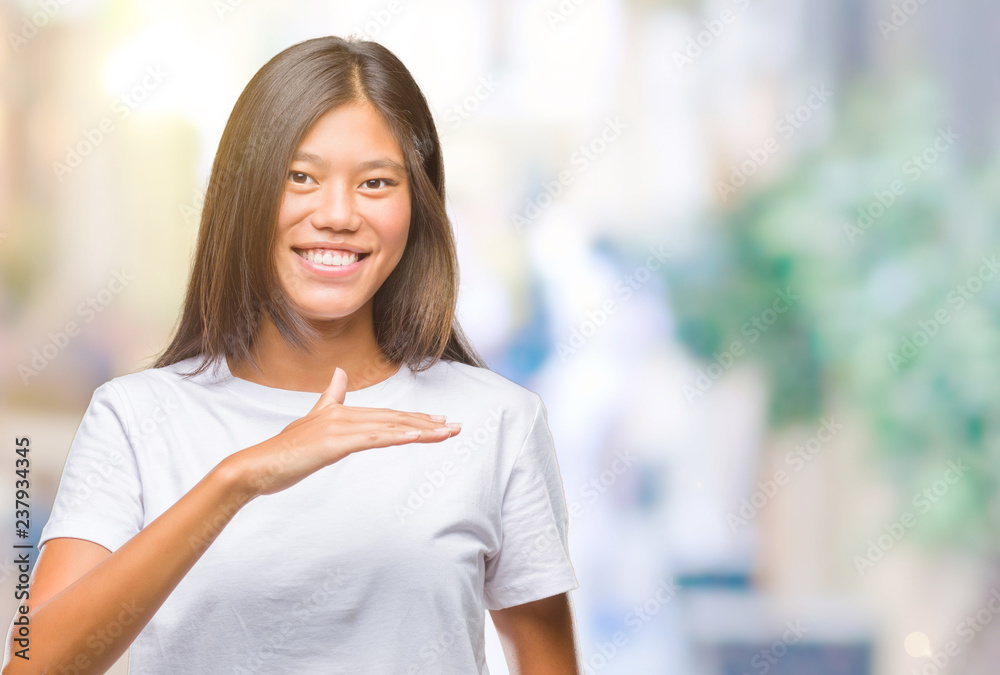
column 319, row 474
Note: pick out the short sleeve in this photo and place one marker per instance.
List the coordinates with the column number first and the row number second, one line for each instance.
column 533, row 558
column 100, row 495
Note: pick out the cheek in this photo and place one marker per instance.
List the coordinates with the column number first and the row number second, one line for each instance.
column 401, row 227
column 290, row 212
column 396, row 225
column 293, row 209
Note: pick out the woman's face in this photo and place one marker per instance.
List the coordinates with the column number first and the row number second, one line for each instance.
column 345, row 213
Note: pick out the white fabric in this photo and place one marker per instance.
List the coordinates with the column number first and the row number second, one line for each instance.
column 381, row 563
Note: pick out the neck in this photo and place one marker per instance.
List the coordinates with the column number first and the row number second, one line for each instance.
column 347, row 343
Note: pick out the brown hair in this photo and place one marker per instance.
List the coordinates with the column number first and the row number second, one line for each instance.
column 234, row 281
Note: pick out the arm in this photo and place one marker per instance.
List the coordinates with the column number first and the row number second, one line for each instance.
column 538, row 637
column 82, row 594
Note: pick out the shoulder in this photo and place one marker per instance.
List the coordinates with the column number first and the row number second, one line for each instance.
column 460, row 379
column 474, row 380
column 144, row 390
column 174, row 374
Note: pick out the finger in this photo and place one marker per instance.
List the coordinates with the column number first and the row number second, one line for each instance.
column 382, row 416
column 427, row 416
column 447, row 431
column 335, row 392
column 383, row 436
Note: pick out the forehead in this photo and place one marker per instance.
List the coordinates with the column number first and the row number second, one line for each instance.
column 353, row 130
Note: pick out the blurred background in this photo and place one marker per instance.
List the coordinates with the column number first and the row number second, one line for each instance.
column 745, row 250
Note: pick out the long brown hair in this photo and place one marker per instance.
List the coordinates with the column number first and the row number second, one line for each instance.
column 234, row 281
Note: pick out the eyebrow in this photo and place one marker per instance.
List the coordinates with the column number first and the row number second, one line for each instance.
column 383, row 163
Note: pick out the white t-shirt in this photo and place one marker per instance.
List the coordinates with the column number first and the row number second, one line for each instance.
column 380, row 563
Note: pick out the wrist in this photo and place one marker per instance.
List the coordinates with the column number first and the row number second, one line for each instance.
column 232, row 475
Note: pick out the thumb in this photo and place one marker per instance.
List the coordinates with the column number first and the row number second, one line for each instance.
column 334, row 393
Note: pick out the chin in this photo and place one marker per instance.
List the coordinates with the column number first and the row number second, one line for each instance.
column 319, row 311
column 325, row 315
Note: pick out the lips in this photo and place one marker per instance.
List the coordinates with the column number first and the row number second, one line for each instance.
column 331, row 257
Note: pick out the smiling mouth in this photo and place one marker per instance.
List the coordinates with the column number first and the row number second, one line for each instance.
column 330, row 257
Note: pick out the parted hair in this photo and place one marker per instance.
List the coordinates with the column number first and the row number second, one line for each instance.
column 234, row 281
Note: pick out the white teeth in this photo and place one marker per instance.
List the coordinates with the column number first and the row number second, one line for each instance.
column 324, row 256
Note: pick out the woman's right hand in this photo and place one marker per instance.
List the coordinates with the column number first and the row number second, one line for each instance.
column 328, row 433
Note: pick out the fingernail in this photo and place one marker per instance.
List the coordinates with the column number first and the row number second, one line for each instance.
column 412, row 434
column 454, row 425
column 446, row 429
column 438, row 418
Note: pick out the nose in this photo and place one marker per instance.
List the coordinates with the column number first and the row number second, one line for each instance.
column 335, row 208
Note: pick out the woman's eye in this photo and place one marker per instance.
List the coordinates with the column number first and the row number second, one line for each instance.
column 298, row 177
column 373, row 183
